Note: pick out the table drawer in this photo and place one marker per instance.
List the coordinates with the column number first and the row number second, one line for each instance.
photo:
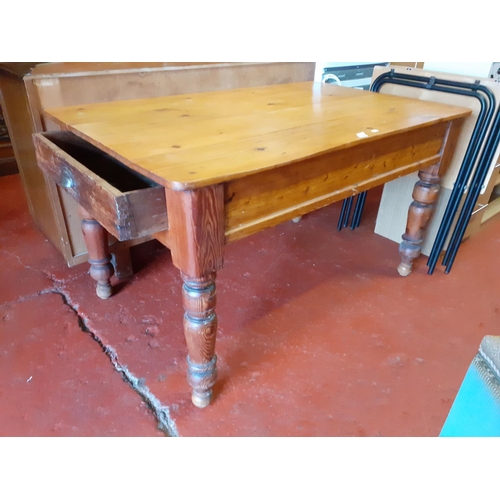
column 126, row 203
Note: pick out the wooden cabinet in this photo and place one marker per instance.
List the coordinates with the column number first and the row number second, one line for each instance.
column 7, row 160
column 31, row 88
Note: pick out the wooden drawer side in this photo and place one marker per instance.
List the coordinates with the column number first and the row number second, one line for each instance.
column 125, row 203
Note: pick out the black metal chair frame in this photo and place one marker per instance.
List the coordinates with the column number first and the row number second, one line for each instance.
column 472, row 172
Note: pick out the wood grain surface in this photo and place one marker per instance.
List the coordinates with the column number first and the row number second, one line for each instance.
column 270, row 197
column 189, row 141
column 196, row 229
column 54, row 85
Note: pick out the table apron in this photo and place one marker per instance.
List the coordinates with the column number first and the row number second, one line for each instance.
column 268, row 198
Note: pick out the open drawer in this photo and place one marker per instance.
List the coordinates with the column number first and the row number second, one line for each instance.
column 126, row 203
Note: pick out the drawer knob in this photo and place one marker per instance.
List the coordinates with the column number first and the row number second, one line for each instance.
column 67, row 180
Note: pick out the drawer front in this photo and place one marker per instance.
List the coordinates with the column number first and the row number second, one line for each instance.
column 125, row 203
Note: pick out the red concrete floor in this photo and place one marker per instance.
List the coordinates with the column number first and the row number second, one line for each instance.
column 318, row 335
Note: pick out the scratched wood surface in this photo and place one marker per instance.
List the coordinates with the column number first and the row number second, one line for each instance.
column 195, row 140
column 126, row 204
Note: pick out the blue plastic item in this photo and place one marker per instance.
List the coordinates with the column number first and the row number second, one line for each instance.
column 476, row 409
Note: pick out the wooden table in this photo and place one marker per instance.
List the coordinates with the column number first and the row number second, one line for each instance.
column 201, row 170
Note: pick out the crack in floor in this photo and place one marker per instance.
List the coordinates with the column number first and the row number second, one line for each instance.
column 161, row 412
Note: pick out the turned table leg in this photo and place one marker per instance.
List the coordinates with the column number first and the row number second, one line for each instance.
column 200, row 329
column 196, row 227
column 425, row 194
column 96, row 240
